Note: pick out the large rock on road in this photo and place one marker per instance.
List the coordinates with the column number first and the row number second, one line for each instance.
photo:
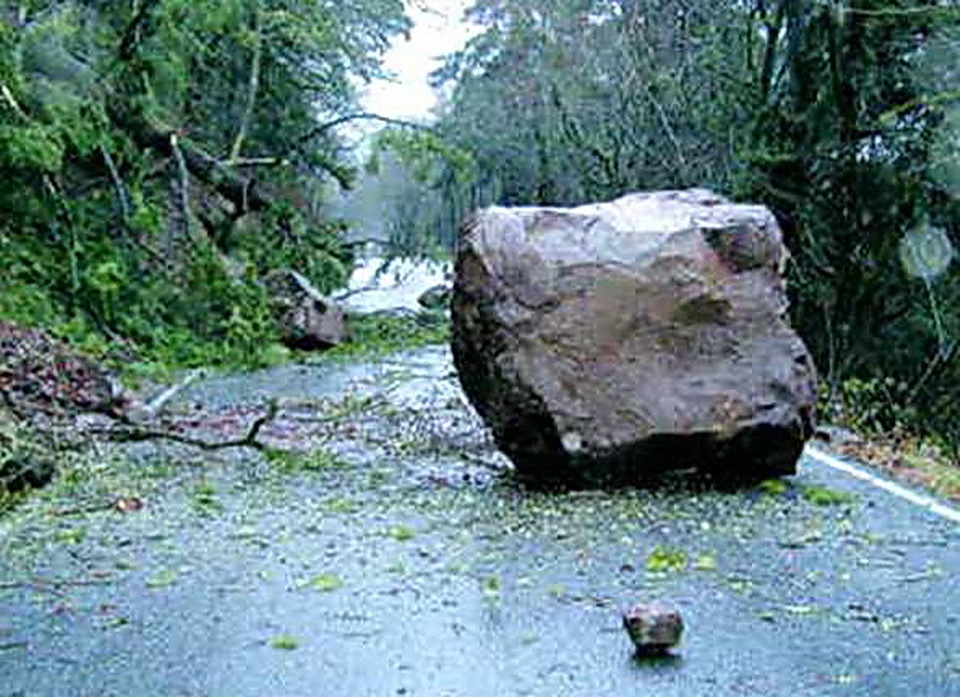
column 306, row 319
column 609, row 342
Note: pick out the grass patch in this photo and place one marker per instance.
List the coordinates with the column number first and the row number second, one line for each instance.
column 381, row 334
column 774, row 487
column 291, row 461
column 824, row 496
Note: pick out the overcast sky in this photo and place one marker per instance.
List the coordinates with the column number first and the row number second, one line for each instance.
column 437, row 31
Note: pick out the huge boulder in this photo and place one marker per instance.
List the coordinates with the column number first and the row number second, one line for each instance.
column 305, row 318
column 606, row 343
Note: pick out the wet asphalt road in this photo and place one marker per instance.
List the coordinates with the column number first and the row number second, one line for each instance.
column 404, row 560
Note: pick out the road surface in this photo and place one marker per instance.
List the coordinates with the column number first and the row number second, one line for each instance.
column 401, row 558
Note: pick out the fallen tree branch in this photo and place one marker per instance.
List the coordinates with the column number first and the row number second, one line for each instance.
column 156, row 405
column 12, row 102
column 184, row 183
column 138, row 434
column 122, row 199
column 240, row 191
column 259, row 162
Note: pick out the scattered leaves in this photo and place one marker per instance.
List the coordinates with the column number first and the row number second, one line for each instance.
column 491, row 586
column 824, row 496
column 401, row 533
column 342, row 506
column 325, row 583
column 205, row 498
column 666, row 559
column 705, row 562
column 71, row 536
column 285, row 642
column 163, row 579
column 774, row 487
column 115, row 623
column 799, row 609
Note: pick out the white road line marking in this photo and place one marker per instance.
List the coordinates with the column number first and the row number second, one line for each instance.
column 931, row 504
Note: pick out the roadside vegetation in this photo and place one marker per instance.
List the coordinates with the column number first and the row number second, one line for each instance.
column 842, row 117
column 160, row 157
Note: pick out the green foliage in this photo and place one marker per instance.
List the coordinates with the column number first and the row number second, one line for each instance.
column 401, row 533
column 29, row 148
column 285, row 642
column 325, row 583
column 312, row 248
column 666, row 559
column 127, row 132
column 874, row 406
column 774, row 487
column 428, row 156
column 824, row 496
column 842, row 117
column 381, row 334
column 311, row 461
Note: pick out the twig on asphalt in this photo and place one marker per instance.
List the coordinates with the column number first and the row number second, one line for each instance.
column 136, row 434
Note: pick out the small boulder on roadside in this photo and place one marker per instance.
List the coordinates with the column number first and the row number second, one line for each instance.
column 436, row 298
column 306, row 319
column 611, row 342
column 654, row 628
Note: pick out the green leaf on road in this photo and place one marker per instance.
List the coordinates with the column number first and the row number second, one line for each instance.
column 823, row 496
column 663, row 559
column 163, row 579
column 285, row 642
column 325, row 583
column 401, row 533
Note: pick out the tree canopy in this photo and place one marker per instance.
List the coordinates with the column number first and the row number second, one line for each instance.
column 157, row 153
column 842, row 115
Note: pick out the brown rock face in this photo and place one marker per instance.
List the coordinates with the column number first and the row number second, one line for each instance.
column 306, row 319
column 608, row 342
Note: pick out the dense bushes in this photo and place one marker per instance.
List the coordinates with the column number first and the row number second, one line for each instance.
column 160, row 156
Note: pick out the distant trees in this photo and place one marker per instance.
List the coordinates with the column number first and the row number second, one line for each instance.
column 842, row 115
column 847, row 148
